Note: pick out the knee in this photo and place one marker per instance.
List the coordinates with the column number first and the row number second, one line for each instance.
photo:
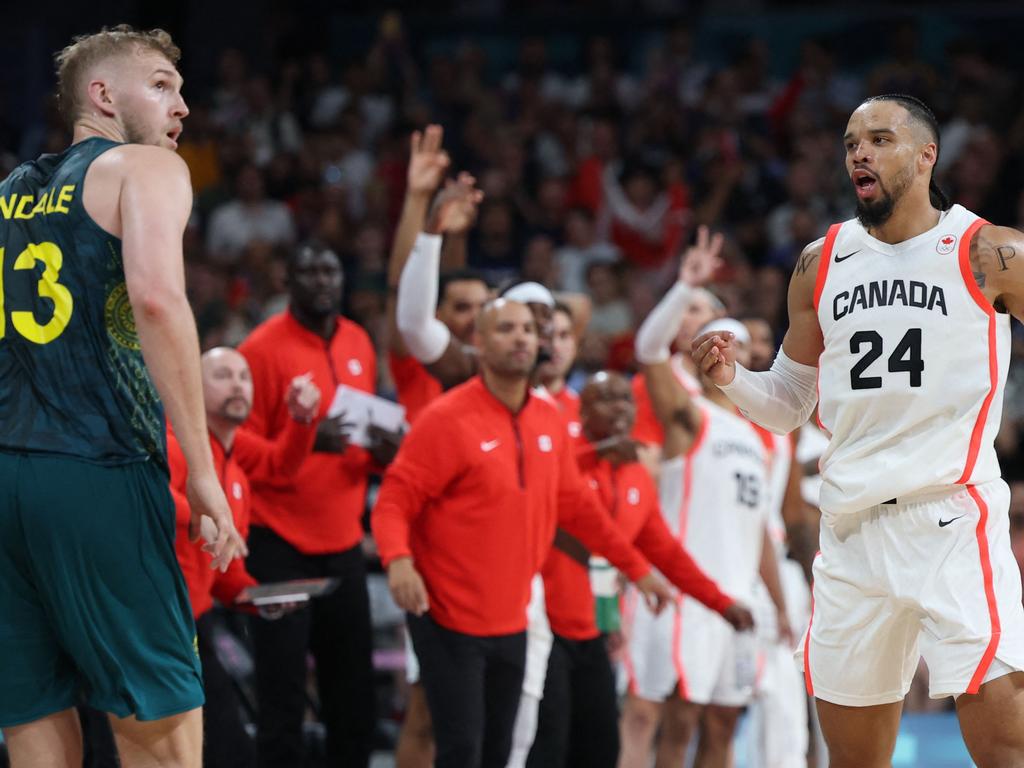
column 679, row 724
column 639, row 718
column 719, row 726
column 998, row 756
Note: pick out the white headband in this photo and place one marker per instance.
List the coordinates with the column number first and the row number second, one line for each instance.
column 530, row 293
column 735, row 327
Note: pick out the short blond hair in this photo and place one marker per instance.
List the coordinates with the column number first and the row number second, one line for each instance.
column 86, row 50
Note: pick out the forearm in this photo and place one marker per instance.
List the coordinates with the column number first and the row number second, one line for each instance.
column 170, row 347
column 769, row 571
column 424, row 335
column 657, row 544
column 591, row 525
column 454, row 251
column 658, row 331
column 410, row 224
column 780, row 399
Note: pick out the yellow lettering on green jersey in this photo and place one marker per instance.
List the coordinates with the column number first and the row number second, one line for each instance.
column 52, row 258
column 49, row 200
column 40, row 207
column 64, row 197
column 24, row 201
column 7, row 206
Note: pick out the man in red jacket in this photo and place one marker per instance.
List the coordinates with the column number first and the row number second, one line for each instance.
column 311, row 526
column 578, row 722
column 466, row 516
column 238, row 455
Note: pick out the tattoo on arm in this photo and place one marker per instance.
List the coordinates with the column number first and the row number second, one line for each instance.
column 807, row 258
column 1004, row 253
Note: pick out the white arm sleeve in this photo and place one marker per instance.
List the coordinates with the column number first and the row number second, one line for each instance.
column 659, row 330
column 780, row 399
column 416, row 305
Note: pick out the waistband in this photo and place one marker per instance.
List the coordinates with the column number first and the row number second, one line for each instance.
column 932, row 493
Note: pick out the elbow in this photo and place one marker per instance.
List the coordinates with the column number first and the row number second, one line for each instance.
column 156, row 303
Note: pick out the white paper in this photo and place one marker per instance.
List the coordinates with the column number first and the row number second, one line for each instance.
column 362, row 409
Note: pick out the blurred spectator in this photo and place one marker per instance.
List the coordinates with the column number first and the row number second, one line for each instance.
column 580, row 250
column 250, row 216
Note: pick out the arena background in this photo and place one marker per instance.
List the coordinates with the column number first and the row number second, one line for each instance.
column 728, row 112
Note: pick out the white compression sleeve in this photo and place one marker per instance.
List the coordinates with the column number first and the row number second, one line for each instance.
column 655, row 337
column 415, row 307
column 780, row 399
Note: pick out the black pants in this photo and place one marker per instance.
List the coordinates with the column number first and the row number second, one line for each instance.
column 225, row 741
column 578, row 723
column 336, row 629
column 473, row 685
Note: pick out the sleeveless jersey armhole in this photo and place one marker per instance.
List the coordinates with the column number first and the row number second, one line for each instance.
column 78, row 201
column 823, row 263
column 964, row 257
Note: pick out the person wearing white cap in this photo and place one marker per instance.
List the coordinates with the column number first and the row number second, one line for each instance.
column 452, row 362
column 714, row 494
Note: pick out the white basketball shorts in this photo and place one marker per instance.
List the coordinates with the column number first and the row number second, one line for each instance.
column 688, row 649
column 929, row 576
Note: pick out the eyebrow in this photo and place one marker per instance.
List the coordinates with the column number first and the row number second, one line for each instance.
column 874, row 131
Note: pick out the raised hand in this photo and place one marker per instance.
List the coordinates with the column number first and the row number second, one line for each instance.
column 454, row 209
column 428, row 162
column 701, row 260
column 303, row 398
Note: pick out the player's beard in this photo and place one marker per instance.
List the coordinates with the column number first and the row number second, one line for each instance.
column 877, row 212
column 135, row 131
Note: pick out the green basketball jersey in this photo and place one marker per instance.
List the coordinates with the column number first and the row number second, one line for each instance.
column 72, row 379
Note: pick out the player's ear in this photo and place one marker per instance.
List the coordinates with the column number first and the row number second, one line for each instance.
column 101, row 97
column 928, row 155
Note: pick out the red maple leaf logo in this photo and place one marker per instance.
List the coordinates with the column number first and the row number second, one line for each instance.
column 947, row 241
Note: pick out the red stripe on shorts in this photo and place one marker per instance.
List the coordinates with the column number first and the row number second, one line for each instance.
column 990, row 593
column 807, row 643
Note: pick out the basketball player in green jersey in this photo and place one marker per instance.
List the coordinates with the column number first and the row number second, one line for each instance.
column 96, row 338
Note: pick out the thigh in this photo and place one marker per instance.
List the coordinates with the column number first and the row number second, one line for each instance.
column 650, row 657
column 859, row 737
column 111, row 583
column 39, row 678
column 860, row 649
column 992, row 722
column 704, row 657
column 452, row 676
column 971, row 597
column 594, row 714
column 503, row 688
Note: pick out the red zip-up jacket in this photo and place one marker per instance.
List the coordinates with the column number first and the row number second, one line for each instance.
column 414, row 385
column 250, row 456
column 630, row 498
column 474, row 497
column 320, row 509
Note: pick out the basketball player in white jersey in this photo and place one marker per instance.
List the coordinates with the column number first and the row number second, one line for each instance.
column 901, row 317
column 714, row 494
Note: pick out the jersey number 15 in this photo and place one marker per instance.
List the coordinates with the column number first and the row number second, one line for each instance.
column 25, row 322
column 906, row 358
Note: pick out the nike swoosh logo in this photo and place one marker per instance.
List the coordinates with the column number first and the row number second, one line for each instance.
column 489, row 446
column 844, row 258
column 944, row 523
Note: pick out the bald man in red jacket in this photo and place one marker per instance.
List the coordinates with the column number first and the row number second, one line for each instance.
column 465, row 517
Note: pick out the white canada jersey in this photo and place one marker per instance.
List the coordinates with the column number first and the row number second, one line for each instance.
column 911, row 379
column 715, row 498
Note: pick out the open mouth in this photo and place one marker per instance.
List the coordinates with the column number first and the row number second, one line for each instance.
column 864, row 182
column 173, row 135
